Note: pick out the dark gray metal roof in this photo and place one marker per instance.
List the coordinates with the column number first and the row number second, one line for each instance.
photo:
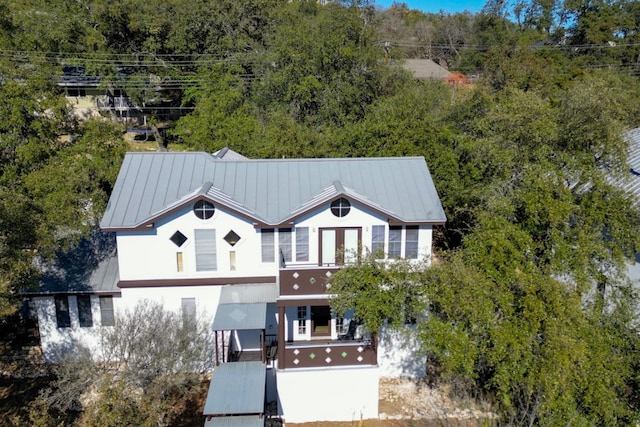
column 238, row 421
column 237, row 388
column 74, row 76
column 240, row 317
column 270, row 192
column 90, row 266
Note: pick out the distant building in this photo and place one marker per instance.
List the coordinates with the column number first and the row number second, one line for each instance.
column 427, row 69
column 90, row 95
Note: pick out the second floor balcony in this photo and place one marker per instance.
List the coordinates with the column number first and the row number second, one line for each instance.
column 328, row 354
column 305, row 280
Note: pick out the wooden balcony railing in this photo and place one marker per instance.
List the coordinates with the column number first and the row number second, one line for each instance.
column 305, row 280
column 309, row 355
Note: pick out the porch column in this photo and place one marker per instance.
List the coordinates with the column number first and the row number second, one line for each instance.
column 215, row 333
column 281, row 322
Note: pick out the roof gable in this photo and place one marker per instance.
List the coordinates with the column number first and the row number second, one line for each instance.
column 269, row 192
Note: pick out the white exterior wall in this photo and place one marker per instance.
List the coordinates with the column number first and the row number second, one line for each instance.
column 58, row 342
column 151, row 255
column 336, row 394
column 357, row 217
column 399, row 354
column 207, row 297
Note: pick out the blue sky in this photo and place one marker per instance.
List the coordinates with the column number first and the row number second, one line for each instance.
column 434, row 6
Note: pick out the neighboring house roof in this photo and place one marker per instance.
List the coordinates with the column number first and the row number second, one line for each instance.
column 75, row 76
column 425, row 69
column 91, row 266
column 631, row 185
column 269, row 192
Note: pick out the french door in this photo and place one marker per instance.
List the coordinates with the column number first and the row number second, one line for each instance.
column 320, row 321
column 339, row 245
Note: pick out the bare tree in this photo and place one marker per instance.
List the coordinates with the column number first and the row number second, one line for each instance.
column 151, row 358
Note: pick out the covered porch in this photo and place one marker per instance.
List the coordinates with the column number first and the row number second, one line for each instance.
column 244, row 324
column 240, row 333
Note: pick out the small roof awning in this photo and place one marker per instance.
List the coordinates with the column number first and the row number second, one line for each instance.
column 239, row 421
column 240, row 317
column 236, row 388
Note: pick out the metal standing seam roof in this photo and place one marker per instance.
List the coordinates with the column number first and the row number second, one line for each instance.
column 271, row 191
column 237, row 388
column 249, row 293
column 88, row 266
column 103, row 279
column 240, row 316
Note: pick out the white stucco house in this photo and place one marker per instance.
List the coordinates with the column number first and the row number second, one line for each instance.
column 250, row 244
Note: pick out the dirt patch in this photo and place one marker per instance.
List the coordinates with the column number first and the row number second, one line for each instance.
column 412, row 403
